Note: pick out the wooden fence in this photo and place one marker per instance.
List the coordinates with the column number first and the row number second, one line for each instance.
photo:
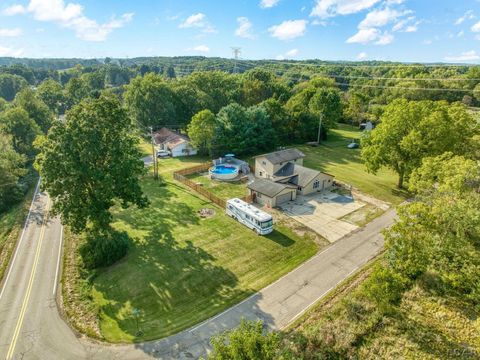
column 180, row 175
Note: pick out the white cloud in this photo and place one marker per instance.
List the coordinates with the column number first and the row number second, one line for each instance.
column 14, row 10
column 384, row 39
column 330, row 8
column 198, row 20
column 244, row 29
column 467, row 16
column 362, row 56
column 289, row 54
column 10, row 32
column 476, row 27
column 292, row 53
column 71, row 16
column 289, row 29
column 379, row 18
column 366, row 36
column 201, row 48
column 195, row 20
column 265, row 4
column 465, row 56
column 7, row 51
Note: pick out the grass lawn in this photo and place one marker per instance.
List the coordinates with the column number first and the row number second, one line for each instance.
column 11, row 224
column 182, row 269
column 333, row 157
column 224, row 190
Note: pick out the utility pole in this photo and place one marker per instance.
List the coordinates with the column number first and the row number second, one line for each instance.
column 319, row 128
column 236, row 55
column 154, row 156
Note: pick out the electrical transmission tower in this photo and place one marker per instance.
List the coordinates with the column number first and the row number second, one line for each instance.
column 236, row 55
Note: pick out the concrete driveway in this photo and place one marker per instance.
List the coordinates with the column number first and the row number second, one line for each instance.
column 321, row 212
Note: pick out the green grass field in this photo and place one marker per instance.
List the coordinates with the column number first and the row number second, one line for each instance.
column 333, row 157
column 224, row 190
column 182, row 269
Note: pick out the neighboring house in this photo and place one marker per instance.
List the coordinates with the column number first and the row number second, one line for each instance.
column 178, row 144
column 280, row 173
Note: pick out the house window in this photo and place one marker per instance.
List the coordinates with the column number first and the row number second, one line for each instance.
column 259, row 195
column 260, row 173
column 264, row 163
column 299, row 188
column 316, row 184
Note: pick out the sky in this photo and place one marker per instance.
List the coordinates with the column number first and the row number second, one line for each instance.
column 390, row 30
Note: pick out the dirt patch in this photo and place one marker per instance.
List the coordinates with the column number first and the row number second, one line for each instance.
column 364, row 215
column 206, row 213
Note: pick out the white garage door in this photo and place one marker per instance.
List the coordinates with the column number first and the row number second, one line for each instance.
column 284, row 198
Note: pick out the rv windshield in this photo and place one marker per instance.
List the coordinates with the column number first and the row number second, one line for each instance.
column 266, row 224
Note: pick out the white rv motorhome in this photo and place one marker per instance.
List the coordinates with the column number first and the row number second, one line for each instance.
column 250, row 216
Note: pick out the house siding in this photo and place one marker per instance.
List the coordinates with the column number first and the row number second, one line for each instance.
column 271, row 201
column 326, row 182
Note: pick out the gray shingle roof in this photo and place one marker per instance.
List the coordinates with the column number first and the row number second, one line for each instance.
column 267, row 187
column 286, row 170
column 304, row 175
column 278, row 157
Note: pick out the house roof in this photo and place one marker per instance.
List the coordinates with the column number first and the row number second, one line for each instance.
column 278, row 157
column 286, row 170
column 167, row 136
column 267, row 187
column 304, row 175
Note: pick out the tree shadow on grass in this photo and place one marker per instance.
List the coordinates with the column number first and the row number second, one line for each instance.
column 172, row 284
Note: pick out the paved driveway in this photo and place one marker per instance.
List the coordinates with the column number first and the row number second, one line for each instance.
column 321, row 212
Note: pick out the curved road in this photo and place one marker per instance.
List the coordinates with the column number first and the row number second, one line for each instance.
column 31, row 327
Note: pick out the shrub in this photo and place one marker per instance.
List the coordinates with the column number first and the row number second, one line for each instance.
column 246, row 342
column 384, row 287
column 103, row 248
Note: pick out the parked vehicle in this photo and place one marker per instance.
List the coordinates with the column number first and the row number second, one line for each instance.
column 253, row 218
column 163, row 153
column 353, row 145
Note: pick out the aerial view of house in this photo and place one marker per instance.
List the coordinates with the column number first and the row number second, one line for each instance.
column 280, row 176
column 240, row 180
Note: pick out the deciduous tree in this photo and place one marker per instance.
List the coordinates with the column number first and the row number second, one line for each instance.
column 90, row 162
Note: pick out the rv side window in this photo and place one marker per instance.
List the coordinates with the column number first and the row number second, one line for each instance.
column 230, row 207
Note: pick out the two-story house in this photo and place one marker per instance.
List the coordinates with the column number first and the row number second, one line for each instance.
column 280, row 176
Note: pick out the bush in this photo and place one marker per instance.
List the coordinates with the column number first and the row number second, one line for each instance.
column 384, row 287
column 247, row 342
column 103, row 248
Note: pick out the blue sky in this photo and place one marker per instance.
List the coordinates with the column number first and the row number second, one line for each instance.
column 400, row 30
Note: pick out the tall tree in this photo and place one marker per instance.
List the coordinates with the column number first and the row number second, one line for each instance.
column 51, row 93
column 150, row 101
column 23, row 130
column 10, row 85
column 36, row 108
column 410, row 131
column 90, row 162
column 243, row 131
column 11, row 168
column 201, row 130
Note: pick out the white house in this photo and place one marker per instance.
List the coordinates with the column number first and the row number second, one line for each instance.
column 178, row 144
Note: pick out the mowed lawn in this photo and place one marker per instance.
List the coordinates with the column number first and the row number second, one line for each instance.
column 182, row 269
column 224, row 190
column 333, row 157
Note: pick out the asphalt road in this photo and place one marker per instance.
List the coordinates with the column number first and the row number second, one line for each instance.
column 31, row 327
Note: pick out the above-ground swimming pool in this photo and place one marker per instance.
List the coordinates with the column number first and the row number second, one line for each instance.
column 224, row 172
